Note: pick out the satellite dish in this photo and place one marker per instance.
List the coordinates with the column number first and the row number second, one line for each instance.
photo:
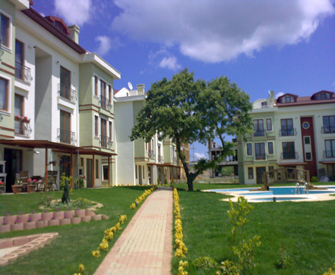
column 130, row 86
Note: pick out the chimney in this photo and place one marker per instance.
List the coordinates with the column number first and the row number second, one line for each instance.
column 272, row 98
column 140, row 89
column 74, row 29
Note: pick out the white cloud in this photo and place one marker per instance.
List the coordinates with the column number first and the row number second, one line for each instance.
column 169, row 63
column 278, row 95
column 215, row 31
column 41, row 13
column 74, row 11
column 200, row 156
column 105, row 44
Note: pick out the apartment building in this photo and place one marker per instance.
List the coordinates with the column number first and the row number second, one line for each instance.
column 141, row 163
column 291, row 132
column 56, row 100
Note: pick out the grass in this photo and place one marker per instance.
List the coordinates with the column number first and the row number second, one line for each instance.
column 75, row 242
column 305, row 229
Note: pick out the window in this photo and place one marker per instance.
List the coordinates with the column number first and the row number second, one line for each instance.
column 103, row 99
column 103, row 133
column 308, row 156
column 3, row 94
column 287, row 127
column 96, row 126
column 330, row 148
column 322, row 96
column 4, row 34
column 289, row 150
column 110, row 94
column 136, row 171
column 307, row 140
column 95, row 85
column 249, row 149
column 270, row 148
column 19, row 60
column 18, row 111
column 328, row 124
column 268, row 124
column 65, row 83
column 258, row 127
column 110, row 131
column 143, row 172
column 259, row 151
column 305, row 125
column 105, row 172
column 271, row 168
column 287, row 99
column 65, row 127
column 264, row 104
column 250, row 173
column 96, row 168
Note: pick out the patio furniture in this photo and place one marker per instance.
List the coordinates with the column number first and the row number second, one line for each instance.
column 51, row 185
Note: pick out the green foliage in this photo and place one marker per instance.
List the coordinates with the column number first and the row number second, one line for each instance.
column 314, row 179
column 228, row 268
column 188, row 110
column 79, row 182
column 284, row 258
column 63, row 179
column 165, row 181
column 46, row 198
column 158, row 181
column 330, row 271
column 204, row 263
column 226, row 170
column 66, row 193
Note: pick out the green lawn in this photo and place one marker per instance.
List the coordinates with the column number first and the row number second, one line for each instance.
column 305, row 229
column 75, row 242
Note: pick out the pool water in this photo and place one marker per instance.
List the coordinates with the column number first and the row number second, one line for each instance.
column 278, row 199
column 275, row 191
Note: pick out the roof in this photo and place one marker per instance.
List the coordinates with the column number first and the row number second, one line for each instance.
column 305, row 100
column 46, row 24
column 116, row 91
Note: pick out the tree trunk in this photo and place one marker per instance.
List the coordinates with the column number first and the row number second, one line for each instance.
column 190, row 183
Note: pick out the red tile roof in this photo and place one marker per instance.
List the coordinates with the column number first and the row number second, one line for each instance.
column 116, row 91
column 305, row 100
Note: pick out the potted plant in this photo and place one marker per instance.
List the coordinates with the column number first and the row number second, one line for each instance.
column 2, row 187
column 31, row 186
column 17, row 187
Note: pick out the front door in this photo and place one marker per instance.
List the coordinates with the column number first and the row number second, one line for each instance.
column 89, row 173
column 259, row 174
column 308, row 143
column 13, row 160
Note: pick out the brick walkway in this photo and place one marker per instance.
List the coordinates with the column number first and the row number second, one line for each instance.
column 145, row 246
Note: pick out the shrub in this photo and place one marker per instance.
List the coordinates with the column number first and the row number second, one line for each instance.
column 79, row 183
column 62, row 180
column 314, row 179
column 284, row 258
column 204, row 263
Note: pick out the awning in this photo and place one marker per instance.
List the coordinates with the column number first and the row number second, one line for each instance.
column 292, row 163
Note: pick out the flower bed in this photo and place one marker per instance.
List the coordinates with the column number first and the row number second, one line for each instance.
column 30, row 221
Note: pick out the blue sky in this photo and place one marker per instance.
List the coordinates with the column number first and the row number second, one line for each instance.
column 286, row 46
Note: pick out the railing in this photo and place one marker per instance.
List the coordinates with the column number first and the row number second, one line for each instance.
column 22, row 128
column 67, row 92
column 259, row 133
column 104, row 102
column 151, row 154
column 66, row 136
column 261, row 156
column 135, row 92
column 287, row 132
column 328, row 129
column 329, row 154
column 174, row 160
column 105, row 140
column 289, row 155
column 22, row 72
column 160, row 159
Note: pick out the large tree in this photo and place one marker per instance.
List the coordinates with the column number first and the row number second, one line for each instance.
column 188, row 110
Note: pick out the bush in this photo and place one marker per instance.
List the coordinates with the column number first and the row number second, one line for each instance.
column 284, row 258
column 79, row 182
column 204, row 263
column 314, row 179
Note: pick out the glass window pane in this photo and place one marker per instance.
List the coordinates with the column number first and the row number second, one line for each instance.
column 3, row 94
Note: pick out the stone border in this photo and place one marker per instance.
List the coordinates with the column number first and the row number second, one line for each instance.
column 25, row 245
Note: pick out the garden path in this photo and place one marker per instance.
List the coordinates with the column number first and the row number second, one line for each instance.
column 145, row 246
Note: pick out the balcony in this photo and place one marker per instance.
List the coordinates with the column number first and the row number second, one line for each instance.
column 329, row 154
column 105, row 141
column 67, row 93
column 66, row 136
column 261, row 156
column 160, row 159
column 287, row 132
column 328, row 129
column 289, row 155
column 151, row 154
column 22, row 128
column 174, row 160
column 104, row 102
column 259, row 133
column 22, row 72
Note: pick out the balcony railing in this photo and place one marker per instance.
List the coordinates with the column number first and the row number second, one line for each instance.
column 22, row 72
column 22, row 128
column 329, row 154
column 151, row 154
column 174, row 160
column 67, row 93
column 66, row 136
column 105, row 141
column 259, row 133
column 104, row 102
column 261, row 156
column 328, row 129
column 287, row 132
column 160, row 158
column 289, row 155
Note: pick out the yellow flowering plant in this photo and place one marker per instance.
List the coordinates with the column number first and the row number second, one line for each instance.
column 96, row 253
